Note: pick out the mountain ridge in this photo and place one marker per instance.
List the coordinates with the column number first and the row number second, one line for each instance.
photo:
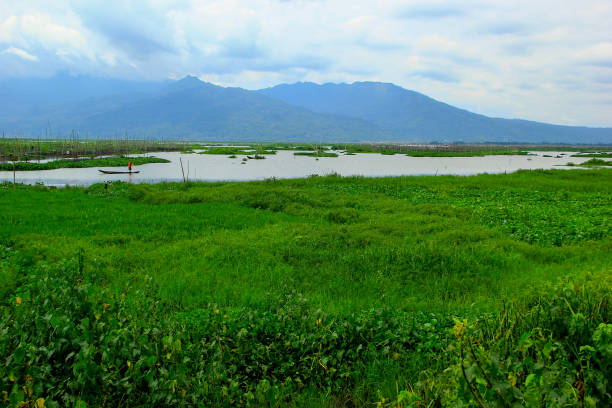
column 409, row 113
column 304, row 111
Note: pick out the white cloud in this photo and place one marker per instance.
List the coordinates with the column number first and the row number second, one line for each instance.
column 20, row 53
column 549, row 60
column 7, row 29
column 597, row 54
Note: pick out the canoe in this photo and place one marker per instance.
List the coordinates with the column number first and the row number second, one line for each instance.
column 118, row 172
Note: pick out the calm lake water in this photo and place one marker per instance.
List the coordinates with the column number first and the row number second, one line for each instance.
column 284, row 164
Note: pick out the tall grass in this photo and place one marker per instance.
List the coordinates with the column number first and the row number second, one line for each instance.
column 18, row 149
column 324, row 291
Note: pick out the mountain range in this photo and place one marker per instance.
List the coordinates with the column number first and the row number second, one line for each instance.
column 190, row 109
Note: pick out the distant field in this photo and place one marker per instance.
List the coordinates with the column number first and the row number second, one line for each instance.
column 12, row 149
column 324, row 291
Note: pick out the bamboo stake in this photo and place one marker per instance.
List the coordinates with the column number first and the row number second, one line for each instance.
column 14, row 158
column 183, row 171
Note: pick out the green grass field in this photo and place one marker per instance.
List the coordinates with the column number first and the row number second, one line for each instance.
column 487, row 290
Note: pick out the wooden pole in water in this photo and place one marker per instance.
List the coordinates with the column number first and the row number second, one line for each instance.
column 183, row 171
column 14, row 158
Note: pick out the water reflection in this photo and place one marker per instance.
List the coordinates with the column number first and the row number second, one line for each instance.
column 285, row 164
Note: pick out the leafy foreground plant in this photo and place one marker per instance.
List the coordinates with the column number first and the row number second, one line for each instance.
column 65, row 340
column 554, row 350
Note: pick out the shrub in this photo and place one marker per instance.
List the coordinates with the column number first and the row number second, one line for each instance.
column 554, row 351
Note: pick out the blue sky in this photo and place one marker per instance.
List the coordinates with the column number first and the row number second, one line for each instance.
column 541, row 60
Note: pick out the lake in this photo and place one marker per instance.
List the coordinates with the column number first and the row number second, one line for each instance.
column 284, row 164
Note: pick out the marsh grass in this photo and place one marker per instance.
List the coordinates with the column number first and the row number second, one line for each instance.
column 597, row 155
column 590, row 163
column 237, row 150
column 596, row 163
column 99, row 162
column 436, row 242
column 22, row 149
column 433, row 150
column 314, row 292
column 501, row 152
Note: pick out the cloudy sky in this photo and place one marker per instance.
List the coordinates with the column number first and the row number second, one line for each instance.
column 542, row 60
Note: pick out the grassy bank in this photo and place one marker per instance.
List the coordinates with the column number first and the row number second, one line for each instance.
column 325, row 291
column 64, row 164
column 592, row 163
column 596, row 163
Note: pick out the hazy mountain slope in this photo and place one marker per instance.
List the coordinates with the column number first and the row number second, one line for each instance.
column 28, row 96
column 54, row 120
column 193, row 109
column 409, row 115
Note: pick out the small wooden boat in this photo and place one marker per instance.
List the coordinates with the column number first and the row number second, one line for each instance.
column 118, row 172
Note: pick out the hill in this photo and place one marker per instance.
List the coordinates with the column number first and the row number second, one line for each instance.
column 409, row 115
column 31, row 96
column 192, row 109
column 184, row 109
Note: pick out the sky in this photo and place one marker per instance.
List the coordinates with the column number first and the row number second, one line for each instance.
column 541, row 60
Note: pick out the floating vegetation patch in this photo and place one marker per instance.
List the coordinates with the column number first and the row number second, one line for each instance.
column 101, row 162
column 591, row 163
column 236, row 151
column 597, row 155
column 318, row 153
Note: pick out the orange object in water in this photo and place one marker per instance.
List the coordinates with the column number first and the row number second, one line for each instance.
column 130, row 166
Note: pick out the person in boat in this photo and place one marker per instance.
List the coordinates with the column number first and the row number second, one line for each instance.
column 130, row 166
